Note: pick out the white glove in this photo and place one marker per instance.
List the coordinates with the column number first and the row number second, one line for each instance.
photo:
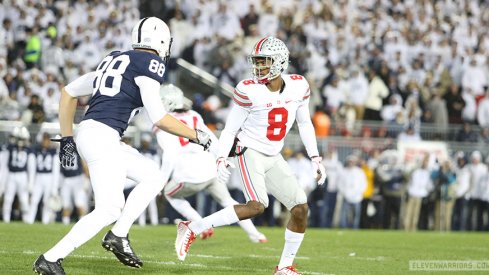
column 319, row 170
column 203, row 139
column 223, row 173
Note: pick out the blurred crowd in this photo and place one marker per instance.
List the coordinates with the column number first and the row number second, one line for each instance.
column 401, row 62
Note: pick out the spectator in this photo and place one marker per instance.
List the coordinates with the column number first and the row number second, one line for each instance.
column 466, row 134
column 36, row 110
column 334, row 171
column 444, row 179
column 455, row 104
column 462, row 185
column 352, row 185
column 419, row 186
column 477, row 171
column 377, row 90
column 483, row 111
column 358, row 91
column 32, row 54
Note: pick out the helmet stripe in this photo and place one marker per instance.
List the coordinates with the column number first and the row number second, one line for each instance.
column 140, row 27
column 259, row 44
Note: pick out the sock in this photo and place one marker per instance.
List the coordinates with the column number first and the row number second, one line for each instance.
column 248, row 227
column 82, row 231
column 293, row 241
column 184, row 208
column 222, row 217
column 136, row 203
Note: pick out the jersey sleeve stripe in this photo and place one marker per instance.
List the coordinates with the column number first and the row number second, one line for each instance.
column 241, row 103
column 236, row 92
column 306, row 97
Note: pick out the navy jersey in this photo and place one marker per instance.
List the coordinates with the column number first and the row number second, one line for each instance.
column 74, row 171
column 116, row 97
column 17, row 158
column 44, row 159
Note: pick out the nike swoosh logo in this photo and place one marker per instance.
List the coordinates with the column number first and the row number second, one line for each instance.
column 288, row 101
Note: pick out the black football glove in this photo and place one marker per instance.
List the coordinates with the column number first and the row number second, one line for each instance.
column 68, row 156
column 203, row 139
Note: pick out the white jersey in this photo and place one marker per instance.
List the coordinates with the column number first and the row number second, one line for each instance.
column 271, row 114
column 184, row 161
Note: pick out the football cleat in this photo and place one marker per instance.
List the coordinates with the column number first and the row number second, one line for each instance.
column 259, row 238
column 121, row 247
column 207, row 234
column 185, row 237
column 43, row 266
column 288, row 270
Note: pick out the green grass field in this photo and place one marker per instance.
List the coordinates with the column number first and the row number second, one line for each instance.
column 230, row 252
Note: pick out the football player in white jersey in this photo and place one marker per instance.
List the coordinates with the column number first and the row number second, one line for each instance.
column 123, row 83
column 265, row 110
column 194, row 169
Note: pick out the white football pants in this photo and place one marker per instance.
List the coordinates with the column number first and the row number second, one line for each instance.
column 42, row 189
column 17, row 183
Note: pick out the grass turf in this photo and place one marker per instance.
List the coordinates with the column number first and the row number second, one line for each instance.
column 230, row 252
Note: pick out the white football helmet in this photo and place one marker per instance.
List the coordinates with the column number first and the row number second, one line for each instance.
column 152, row 33
column 173, row 98
column 276, row 56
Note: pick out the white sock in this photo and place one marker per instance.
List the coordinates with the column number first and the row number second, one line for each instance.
column 222, row 217
column 293, row 241
column 183, row 207
column 82, row 231
column 248, row 227
column 136, row 203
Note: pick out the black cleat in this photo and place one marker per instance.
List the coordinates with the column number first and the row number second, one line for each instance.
column 43, row 266
column 121, row 247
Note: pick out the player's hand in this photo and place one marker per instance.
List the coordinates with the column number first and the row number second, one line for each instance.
column 68, row 156
column 223, row 173
column 203, row 139
column 319, row 170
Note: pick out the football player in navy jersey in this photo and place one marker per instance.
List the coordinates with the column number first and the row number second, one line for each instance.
column 73, row 191
column 21, row 165
column 45, row 180
column 123, row 83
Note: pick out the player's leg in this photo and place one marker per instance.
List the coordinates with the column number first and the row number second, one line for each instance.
column 37, row 194
column 66, row 191
column 252, row 166
column 47, row 184
column 220, row 193
column 99, row 147
column 80, row 196
column 149, row 178
column 283, row 185
column 175, row 194
column 8, row 197
column 153, row 212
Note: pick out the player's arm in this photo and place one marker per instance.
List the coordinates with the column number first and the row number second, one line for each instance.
column 81, row 86
column 159, row 117
column 306, row 130
column 308, row 137
column 237, row 116
column 201, row 125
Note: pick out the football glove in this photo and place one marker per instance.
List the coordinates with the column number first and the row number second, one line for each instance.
column 68, row 156
column 319, row 170
column 203, row 139
column 223, row 173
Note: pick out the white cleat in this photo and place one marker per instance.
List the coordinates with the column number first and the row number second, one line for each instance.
column 185, row 237
column 258, row 238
